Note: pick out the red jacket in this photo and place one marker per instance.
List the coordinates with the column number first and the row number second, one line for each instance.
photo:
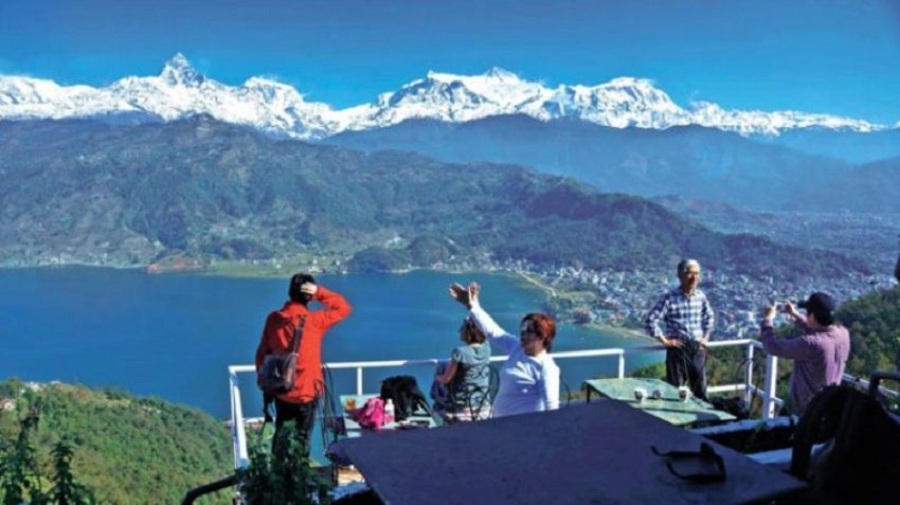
column 278, row 334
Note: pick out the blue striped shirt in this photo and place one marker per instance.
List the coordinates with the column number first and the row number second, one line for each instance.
column 685, row 317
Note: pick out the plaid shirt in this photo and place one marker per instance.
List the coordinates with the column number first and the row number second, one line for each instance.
column 685, row 317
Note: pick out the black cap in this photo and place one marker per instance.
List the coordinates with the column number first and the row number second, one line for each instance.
column 821, row 305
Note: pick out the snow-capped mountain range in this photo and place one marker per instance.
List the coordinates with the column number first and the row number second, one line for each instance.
column 277, row 108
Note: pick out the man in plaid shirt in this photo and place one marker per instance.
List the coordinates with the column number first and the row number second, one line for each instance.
column 688, row 319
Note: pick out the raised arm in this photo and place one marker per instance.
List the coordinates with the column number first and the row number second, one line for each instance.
column 470, row 298
column 794, row 348
column 336, row 307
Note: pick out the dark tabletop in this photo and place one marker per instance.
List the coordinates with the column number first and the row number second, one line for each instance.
column 591, row 453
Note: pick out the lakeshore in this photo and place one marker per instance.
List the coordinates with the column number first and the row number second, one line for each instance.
column 604, row 301
column 527, row 279
column 174, row 336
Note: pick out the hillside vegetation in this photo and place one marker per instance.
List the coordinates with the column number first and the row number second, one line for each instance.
column 874, row 324
column 130, row 195
column 127, row 450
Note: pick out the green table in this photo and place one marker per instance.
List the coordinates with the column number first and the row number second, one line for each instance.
column 669, row 407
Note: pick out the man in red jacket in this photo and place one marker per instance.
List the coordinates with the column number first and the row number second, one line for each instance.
column 299, row 404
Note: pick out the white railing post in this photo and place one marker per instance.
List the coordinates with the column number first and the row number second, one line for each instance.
column 239, row 436
column 769, row 397
column 748, row 375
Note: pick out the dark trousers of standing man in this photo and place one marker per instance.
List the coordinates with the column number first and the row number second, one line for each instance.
column 303, row 415
column 687, row 364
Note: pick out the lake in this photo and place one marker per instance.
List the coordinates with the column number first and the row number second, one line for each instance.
column 173, row 336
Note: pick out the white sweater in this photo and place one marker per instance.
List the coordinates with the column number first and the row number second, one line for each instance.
column 527, row 383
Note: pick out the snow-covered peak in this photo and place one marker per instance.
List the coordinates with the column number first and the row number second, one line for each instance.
column 748, row 122
column 495, row 85
column 272, row 90
column 274, row 107
column 179, row 71
column 32, row 98
column 501, row 74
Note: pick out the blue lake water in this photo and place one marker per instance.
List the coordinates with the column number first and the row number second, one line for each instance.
column 173, row 336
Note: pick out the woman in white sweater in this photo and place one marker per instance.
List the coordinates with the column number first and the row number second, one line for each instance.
column 529, row 378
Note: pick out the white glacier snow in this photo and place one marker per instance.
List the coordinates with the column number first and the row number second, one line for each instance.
column 276, row 108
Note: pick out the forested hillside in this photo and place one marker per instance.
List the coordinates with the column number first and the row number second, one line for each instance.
column 874, row 324
column 130, row 195
column 127, row 450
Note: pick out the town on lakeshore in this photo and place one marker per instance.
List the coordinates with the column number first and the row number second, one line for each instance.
column 610, row 299
column 618, row 300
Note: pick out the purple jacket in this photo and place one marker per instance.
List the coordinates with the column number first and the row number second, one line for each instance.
column 819, row 359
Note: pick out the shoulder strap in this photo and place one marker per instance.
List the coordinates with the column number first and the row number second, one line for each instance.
column 298, row 334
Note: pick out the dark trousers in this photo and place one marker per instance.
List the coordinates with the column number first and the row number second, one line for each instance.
column 687, row 365
column 303, row 415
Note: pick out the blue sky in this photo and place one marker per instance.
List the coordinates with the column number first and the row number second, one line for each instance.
column 830, row 56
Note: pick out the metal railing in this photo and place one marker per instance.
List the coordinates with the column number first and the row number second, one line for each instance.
column 748, row 388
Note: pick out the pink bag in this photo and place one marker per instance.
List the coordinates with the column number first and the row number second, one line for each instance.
column 371, row 415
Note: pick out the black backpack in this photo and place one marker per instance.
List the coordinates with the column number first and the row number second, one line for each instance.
column 408, row 399
column 860, row 460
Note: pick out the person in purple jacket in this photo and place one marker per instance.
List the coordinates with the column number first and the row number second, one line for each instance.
column 820, row 353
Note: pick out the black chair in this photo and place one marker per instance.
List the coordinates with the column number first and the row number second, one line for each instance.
column 472, row 402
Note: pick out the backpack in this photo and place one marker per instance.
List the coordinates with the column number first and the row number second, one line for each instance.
column 735, row 406
column 371, row 415
column 278, row 372
column 408, row 399
column 860, row 459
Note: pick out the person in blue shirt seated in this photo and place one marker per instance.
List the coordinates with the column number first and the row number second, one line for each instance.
column 529, row 378
column 461, row 384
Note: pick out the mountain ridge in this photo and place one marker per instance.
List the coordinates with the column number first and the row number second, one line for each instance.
column 280, row 109
column 136, row 194
column 690, row 161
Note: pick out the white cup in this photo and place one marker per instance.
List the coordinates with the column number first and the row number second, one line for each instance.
column 684, row 393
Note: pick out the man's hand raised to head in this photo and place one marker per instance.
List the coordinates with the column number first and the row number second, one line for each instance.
column 308, row 288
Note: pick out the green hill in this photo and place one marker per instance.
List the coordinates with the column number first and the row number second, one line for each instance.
column 128, row 450
column 198, row 190
column 874, row 324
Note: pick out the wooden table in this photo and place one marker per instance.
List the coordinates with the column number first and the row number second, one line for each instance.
column 595, row 452
column 355, row 430
column 669, row 408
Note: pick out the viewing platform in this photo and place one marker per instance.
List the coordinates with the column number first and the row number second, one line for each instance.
column 576, row 410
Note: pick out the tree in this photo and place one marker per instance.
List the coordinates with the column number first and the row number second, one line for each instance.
column 282, row 481
column 20, row 475
column 66, row 491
